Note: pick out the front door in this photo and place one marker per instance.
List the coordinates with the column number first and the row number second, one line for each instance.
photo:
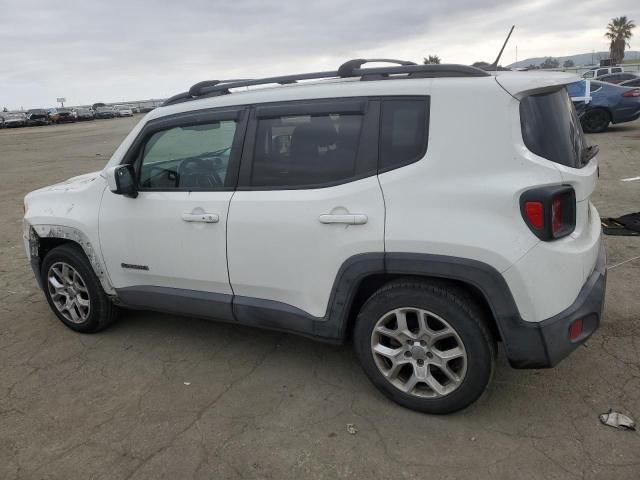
column 171, row 238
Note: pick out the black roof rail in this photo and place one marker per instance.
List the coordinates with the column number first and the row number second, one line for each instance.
column 350, row 69
column 347, row 69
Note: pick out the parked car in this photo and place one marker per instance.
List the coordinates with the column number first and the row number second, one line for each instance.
column 1, row 120
column 600, row 71
column 38, row 116
column 123, row 111
column 104, row 112
column 53, row 115
column 617, row 78
column 65, row 115
column 361, row 210
column 635, row 82
column 14, row 119
column 84, row 114
column 608, row 104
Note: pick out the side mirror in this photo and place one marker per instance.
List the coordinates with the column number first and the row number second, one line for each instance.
column 122, row 180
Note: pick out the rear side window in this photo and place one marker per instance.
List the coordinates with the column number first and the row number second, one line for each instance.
column 404, row 130
column 616, row 70
column 303, row 150
column 603, row 71
column 551, row 129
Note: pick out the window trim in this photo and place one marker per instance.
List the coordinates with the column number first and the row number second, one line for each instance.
column 133, row 156
column 366, row 159
column 427, row 104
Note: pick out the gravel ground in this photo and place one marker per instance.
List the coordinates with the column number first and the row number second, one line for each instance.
column 161, row 396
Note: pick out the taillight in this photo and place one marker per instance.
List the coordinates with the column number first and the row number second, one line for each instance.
column 549, row 212
column 635, row 92
column 535, row 214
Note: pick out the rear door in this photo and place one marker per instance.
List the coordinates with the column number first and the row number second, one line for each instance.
column 171, row 238
column 308, row 200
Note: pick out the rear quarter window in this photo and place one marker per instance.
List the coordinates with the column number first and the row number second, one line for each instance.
column 551, row 129
column 404, row 131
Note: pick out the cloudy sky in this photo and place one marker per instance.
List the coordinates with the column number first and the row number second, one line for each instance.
column 114, row 50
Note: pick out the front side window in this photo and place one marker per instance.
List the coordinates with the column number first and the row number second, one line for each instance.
column 603, row 71
column 404, row 132
column 551, row 129
column 303, row 150
column 616, row 70
column 188, row 157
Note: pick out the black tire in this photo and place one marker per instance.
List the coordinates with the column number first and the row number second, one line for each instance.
column 462, row 314
column 102, row 311
column 596, row 120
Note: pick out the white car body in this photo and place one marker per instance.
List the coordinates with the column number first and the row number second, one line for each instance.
column 594, row 73
column 269, row 249
column 123, row 111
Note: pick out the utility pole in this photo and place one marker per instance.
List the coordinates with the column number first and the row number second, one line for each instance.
column 516, row 53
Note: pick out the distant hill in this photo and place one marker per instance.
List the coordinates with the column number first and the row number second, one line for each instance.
column 581, row 59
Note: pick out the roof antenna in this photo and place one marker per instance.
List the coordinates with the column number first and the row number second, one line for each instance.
column 495, row 64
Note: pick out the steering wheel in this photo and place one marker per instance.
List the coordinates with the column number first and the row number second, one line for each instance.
column 199, row 173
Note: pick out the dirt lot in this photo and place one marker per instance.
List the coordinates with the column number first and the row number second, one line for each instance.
column 160, row 396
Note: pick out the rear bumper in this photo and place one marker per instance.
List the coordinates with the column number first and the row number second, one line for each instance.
column 626, row 114
column 544, row 344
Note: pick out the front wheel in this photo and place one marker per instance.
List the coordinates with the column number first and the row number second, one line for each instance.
column 74, row 292
column 596, row 120
column 425, row 345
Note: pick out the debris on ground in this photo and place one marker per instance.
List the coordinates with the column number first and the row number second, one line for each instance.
column 617, row 420
column 187, row 383
column 351, row 429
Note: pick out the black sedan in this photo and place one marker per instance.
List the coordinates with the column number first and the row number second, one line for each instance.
column 617, row 78
column 38, row 116
column 634, row 82
column 84, row 114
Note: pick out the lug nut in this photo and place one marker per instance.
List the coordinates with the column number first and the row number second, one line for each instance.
column 420, row 362
column 429, row 355
column 407, row 354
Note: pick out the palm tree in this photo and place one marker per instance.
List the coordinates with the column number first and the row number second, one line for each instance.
column 431, row 59
column 619, row 32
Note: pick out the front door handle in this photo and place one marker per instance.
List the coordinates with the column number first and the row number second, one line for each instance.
column 346, row 218
column 201, row 217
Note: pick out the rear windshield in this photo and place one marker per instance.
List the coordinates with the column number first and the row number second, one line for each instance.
column 551, row 129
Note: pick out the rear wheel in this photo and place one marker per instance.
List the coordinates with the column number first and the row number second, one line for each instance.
column 425, row 345
column 596, row 120
column 74, row 292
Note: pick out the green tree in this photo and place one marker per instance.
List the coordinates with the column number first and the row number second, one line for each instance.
column 568, row 64
column 550, row 62
column 619, row 32
column 483, row 65
column 432, row 60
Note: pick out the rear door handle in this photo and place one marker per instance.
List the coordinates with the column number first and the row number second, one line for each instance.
column 347, row 218
column 201, row 217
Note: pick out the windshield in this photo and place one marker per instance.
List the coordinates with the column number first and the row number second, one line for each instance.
column 551, row 129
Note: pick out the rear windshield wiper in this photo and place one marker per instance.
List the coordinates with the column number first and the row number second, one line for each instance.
column 589, row 152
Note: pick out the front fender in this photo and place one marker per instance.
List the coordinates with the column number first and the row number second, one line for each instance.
column 35, row 235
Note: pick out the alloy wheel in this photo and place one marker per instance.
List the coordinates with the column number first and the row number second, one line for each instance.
column 419, row 352
column 68, row 292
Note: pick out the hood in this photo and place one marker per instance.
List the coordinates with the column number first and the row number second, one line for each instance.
column 74, row 183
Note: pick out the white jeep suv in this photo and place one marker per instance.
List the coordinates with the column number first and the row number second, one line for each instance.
column 425, row 213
